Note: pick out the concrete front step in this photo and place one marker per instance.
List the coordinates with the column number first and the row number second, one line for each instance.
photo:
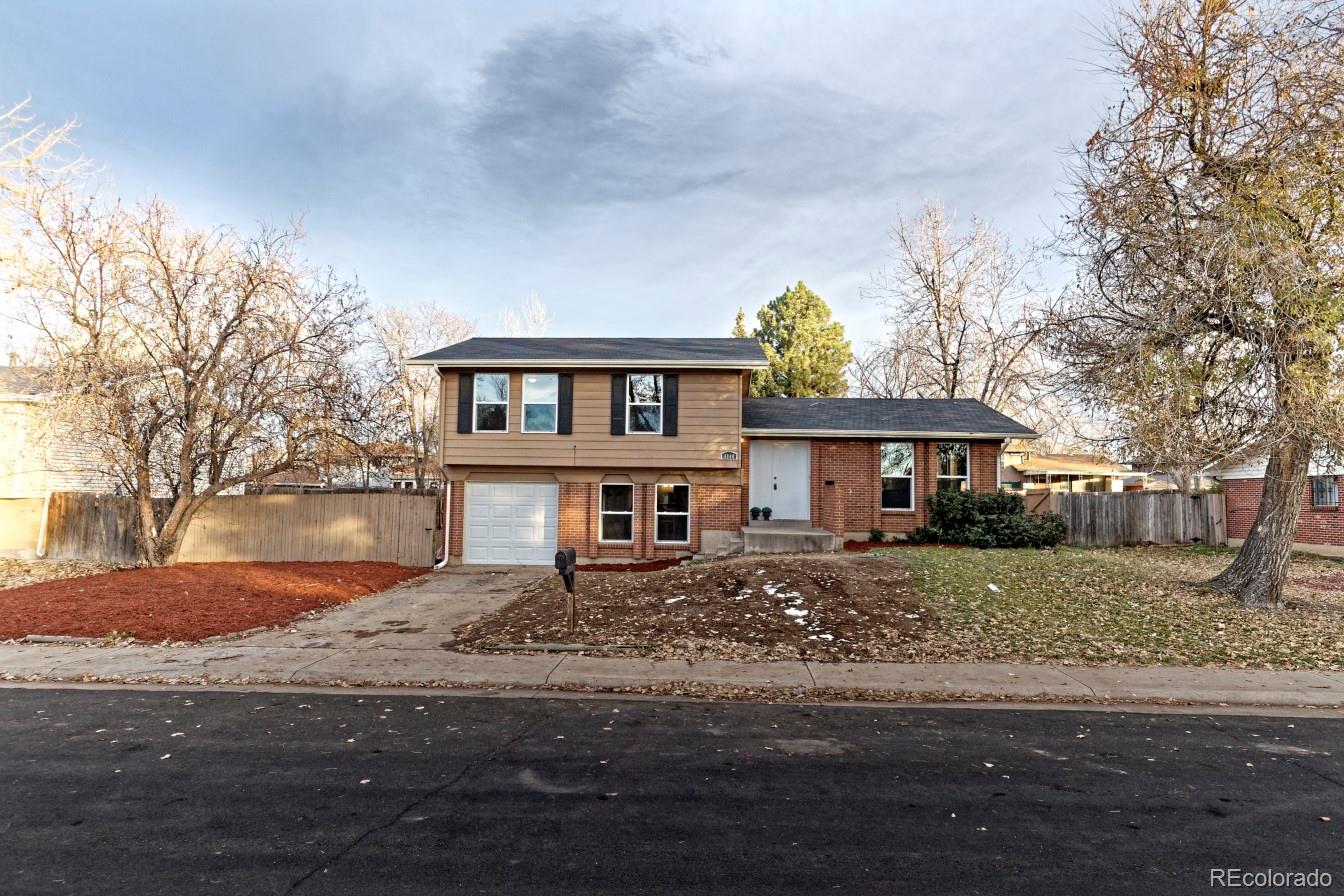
column 777, row 523
column 760, row 539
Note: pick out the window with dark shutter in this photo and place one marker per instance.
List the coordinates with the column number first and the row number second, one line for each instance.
column 564, row 424
column 670, row 388
column 618, row 404
column 466, row 394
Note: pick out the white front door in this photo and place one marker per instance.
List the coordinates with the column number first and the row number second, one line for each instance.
column 510, row 523
column 781, row 478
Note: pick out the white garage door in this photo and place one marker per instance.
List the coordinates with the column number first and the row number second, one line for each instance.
column 510, row 522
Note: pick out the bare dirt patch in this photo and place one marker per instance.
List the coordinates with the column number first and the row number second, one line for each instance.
column 815, row 606
column 189, row 601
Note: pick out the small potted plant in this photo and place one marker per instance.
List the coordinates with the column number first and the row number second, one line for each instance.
column 755, row 513
column 765, row 512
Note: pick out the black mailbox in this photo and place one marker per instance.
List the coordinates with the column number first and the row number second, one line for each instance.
column 565, row 559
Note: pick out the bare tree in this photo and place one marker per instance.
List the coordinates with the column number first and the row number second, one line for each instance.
column 530, row 318
column 889, row 368
column 192, row 360
column 27, row 147
column 966, row 313
column 406, row 404
column 1208, row 233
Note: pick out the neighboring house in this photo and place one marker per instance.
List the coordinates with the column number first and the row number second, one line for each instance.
column 650, row 448
column 1320, row 526
column 375, row 467
column 37, row 454
column 1036, row 471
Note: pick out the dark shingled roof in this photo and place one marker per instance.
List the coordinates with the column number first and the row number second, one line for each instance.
column 25, row 381
column 729, row 352
column 895, row 416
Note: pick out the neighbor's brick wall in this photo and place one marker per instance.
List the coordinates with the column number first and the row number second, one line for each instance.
column 855, row 467
column 1315, row 525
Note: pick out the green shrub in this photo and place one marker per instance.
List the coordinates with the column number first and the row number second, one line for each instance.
column 876, row 534
column 993, row 520
column 923, row 535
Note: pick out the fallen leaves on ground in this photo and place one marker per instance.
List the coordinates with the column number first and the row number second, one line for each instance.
column 815, row 606
column 16, row 573
column 1122, row 606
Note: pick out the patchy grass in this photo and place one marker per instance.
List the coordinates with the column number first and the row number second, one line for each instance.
column 1126, row 606
column 814, row 606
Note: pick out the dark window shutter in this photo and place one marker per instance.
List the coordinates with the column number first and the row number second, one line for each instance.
column 564, row 413
column 618, row 404
column 669, row 404
column 466, row 392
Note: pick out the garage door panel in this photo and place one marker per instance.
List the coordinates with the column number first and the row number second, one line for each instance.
column 510, row 522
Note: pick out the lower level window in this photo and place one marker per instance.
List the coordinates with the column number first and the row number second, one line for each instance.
column 617, row 512
column 898, row 476
column 1324, row 491
column 672, row 513
column 954, row 466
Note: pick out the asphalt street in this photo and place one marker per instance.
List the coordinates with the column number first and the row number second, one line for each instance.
column 345, row 792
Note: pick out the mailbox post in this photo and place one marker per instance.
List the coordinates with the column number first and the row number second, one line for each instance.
column 564, row 564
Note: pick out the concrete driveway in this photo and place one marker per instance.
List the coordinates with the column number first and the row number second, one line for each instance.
column 418, row 614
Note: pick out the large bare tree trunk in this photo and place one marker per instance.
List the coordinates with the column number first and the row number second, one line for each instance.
column 1257, row 574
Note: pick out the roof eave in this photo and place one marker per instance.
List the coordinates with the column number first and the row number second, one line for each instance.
column 884, row 434
column 644, row 363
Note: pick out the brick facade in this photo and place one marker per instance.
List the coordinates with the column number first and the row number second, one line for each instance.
column 846, row 487
column 853, row 502
column 1315, row 525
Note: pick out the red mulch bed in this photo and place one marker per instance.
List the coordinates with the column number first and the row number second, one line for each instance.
column 189, row 601
column 861, row 547
column 645, row 566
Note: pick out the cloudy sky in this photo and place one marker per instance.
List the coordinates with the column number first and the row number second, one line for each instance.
column 644, row 168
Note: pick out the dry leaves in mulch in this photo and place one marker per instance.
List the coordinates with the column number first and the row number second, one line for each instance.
column 818, row 606
column 16, row 573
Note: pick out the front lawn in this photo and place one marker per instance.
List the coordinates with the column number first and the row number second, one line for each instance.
column 188, row 601
column 1127, row 606
column 1123, row 606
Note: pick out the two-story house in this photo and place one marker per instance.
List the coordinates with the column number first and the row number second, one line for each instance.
column 630, row 449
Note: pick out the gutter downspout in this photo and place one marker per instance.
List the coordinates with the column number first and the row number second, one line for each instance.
column 447, row 521
column 41, row 549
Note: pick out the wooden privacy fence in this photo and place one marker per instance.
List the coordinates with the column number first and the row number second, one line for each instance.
column 1111, row 519
column 384, row 526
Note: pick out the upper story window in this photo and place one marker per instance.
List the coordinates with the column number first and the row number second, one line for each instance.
column 491, row 397
column 644, row 403
column 541, row 398
column 1324, row 491
column 954, row 466
column 898, row 476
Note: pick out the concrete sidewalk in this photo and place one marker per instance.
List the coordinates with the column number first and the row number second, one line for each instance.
column 404, row 637
column 438, row 667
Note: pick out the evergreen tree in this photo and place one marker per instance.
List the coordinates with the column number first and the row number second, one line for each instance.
column 807, row 350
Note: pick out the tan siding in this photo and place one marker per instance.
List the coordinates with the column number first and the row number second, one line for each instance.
column 708, row 424
column 19, row 521
column 38, row 453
